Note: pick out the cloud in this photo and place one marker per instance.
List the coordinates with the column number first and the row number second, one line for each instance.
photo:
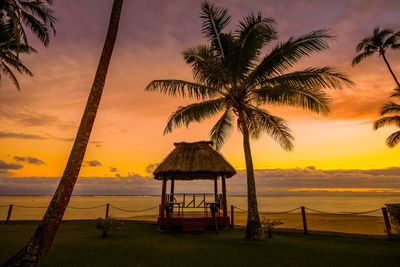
column 26, row 116
column 92, row 163
column 10, row 166
column 30, row 160
column 96, row 143
column 295, row 181
column 6, row 167
column 113, row 169
column 20, row 136
column 151, row 167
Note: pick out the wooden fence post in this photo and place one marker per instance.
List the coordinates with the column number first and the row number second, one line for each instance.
column 9, row 213
column 387, row 223
column 232, row 216
column 303, row 215
column 107, row 210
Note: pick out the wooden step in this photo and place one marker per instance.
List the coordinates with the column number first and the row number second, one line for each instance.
column 193, row 226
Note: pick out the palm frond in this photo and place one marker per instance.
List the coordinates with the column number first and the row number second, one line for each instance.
column 276, row 127
column 215, row 19
column 390, row 108
column 387, row 121
column 7, row 71
column 380, row 35
column 181, row 88
column 393, row 139
column 312, row 99
column 325, row 77
column 253, row 33
column 366, row 42
column 206, row 68
column 396, row 93
column 39, row 9
column 35, row 15
column 37, row 27
column 392, row 40
column 194, row 113
column 362, row 56
column 286, row 54
column 222, row 129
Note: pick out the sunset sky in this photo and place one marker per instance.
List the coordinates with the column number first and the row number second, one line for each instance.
column 38, row 124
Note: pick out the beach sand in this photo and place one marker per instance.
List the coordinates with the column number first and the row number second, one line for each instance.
column 352, row 224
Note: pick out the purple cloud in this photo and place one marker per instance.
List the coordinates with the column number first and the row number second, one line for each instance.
column 93, row 163
column 30, row 160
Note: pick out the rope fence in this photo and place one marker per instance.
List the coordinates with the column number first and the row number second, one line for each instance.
column 89, row 208
column 304, row 218
column 233, row 208
column 11, row 207
column 135, row 210
column 343, row 213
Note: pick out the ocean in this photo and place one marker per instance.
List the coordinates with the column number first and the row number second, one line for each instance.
column 92, row 207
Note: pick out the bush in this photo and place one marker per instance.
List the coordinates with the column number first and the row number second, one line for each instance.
column 270, row 225
column 108, row 225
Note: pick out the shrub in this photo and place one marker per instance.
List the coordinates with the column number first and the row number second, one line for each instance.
column 270, row 225
column 108, row 225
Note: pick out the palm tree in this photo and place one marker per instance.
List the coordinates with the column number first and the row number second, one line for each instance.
column 33, row 253
column 231, row 77
column 9, row 57
column 34, row 15
column 380, row 41
column 390, row 108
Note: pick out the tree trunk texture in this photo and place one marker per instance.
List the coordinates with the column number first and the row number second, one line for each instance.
column 390, row 70
column 39, row 244
column 254, row 230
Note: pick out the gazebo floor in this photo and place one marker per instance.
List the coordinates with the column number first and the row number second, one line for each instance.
column 193, row 220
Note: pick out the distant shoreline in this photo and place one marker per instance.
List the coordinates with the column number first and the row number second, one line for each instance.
column 287, row 195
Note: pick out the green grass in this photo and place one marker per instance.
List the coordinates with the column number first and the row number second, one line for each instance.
column 78, row 243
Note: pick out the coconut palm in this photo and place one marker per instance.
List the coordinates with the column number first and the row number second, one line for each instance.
column 233, row 79
column 379, row 42
column 394, row 119
column 33, row 253
column 9, row 57
column 35, row 15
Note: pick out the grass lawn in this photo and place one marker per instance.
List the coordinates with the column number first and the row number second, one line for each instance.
column 78, row 243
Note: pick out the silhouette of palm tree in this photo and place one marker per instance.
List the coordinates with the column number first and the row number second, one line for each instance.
column 232, row 78
column 379, row 42
column 39, row 244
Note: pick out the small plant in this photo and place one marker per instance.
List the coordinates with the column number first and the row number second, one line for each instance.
column 107, row 225
column 270, row 225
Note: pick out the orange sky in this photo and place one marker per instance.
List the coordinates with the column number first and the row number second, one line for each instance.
column 41, row 120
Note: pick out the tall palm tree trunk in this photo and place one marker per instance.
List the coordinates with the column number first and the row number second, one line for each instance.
column 253, row 227
column 390, row 69
column 41, row 241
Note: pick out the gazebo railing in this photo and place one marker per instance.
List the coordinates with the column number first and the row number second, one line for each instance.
column 195, row 200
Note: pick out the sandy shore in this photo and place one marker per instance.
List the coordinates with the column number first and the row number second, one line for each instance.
column 354, row 224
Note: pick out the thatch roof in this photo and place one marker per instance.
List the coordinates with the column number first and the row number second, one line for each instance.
column 193, row 161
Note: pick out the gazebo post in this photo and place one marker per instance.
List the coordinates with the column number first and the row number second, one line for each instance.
column 225, row 208
column 172, row 190
column 163, row 193
column 215, row 188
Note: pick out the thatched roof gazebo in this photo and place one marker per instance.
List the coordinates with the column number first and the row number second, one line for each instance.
column 193, row 161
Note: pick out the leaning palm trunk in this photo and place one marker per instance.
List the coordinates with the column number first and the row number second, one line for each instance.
column 41, row 241
column 253, row 227
column 390, row 70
